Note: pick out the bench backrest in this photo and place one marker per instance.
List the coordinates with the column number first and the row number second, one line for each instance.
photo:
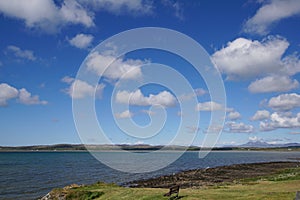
column 174, row 189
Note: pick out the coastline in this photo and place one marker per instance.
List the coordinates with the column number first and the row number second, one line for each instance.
column 195, row 182
column 198, row 178
column 135, row 148
column 147, row 151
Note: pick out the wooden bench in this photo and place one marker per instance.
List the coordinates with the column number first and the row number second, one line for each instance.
column 173, row 190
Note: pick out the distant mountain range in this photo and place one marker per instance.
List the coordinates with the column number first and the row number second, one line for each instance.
column 256, row 145
column 261, row 144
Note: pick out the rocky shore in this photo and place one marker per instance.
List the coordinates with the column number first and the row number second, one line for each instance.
column 207, row 177
column 192, row 179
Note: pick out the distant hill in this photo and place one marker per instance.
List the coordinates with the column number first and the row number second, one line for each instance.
column 255, row 145
column 261, row 144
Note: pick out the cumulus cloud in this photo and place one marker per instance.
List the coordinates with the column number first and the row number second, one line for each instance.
column 291, row 64
column 125, row 114
column 260, row 115
column 269, row 13
column 195, row 93
column 25, row 97
column 136, row 7
column 20, row 53
column 234, row 127
column 8, row 92
column 273, row 84
column 50, row 15
column 209, row 106
column 244, row 58
column 81, row 41
column 113, row 68
column 254, row 139
column 46, row 15
column 280, row 120
column 285, row 102
column 234, row 115
column 80, row 89
column 164, row 98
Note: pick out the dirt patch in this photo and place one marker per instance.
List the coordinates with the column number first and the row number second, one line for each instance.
column 213, row 176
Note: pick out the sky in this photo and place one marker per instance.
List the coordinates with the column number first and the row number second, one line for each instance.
column 254, row 45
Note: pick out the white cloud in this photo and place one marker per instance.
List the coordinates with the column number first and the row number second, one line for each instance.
column 214, row 128
column 7, row 92
column 195, row 93
column 234, row 127
column 273, row 84
column 80, row 89
column 260, row 115
column 285, row 102
column 72, row 12
column 45, row 14
column 139, row 142
column 265, row 126
column 244, row 58
column 81, row 41
column 148, row 112
column 67, row 79
column 164, row 98
column 291, row 64
column 135, row 7
column 234, row 115
column 268, row 14
column 254, row 138
column 114, row 68
column 50, row 15
column 209, row 106
column 280, row 120
column 25, row 97
column 125, row 114
column 176, row 6
column 20, row 53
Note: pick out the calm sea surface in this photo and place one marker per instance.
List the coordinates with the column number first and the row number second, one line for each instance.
column 29, row 175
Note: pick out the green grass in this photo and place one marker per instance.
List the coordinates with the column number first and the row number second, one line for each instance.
column 280, row 186
column 283, row 175
column 83, row 195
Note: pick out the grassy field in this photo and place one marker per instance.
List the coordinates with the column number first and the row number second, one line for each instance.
column 279, row 186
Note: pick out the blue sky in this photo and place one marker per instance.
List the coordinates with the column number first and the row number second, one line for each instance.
column 254, row 44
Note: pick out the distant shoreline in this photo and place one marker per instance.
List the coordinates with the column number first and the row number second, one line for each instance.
column 137, row 148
